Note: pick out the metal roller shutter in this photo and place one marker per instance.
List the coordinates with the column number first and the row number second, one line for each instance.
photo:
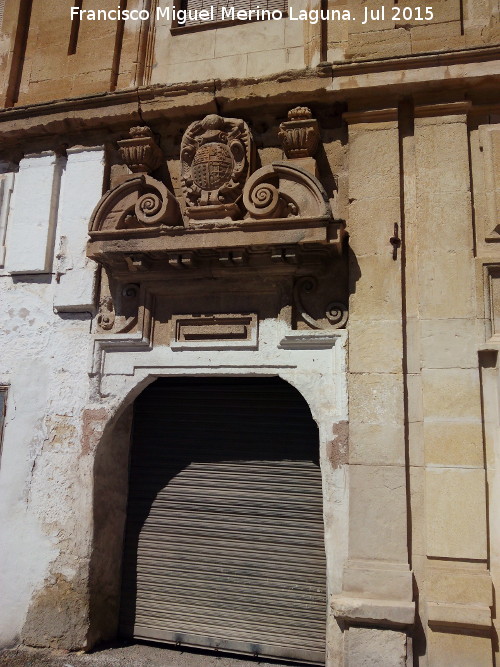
column 224, row 544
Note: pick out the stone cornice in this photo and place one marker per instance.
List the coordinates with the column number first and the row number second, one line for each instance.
column 328, row 83
column 371, row 116
column 429, row 59
column 447, row 109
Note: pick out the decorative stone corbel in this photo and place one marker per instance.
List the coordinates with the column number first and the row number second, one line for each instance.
column 106, row 314
column 140, row 153
column 127, row 303
column 335, row 313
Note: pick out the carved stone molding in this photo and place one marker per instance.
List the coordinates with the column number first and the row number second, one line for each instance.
column 299, row 134
column 106, row 314
column 492, row 299
column 140, row 153
column 216, row 159
column 209, row 331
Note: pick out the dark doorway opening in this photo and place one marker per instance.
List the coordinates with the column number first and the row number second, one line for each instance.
column 224, row 545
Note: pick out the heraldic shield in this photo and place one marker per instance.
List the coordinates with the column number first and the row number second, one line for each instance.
column 216, row 159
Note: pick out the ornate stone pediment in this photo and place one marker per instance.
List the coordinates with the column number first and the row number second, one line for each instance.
column 225, row 207
column 230, row 222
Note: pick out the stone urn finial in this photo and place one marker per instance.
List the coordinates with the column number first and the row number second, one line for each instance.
column 299, row 134
column 140, row 153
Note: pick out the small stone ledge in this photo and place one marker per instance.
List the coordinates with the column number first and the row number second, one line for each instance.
column 458, row 616
column 390, row 613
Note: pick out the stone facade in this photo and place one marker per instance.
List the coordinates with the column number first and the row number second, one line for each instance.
column 317, row 202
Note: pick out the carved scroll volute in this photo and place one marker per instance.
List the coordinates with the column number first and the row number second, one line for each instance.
column 334, row 315
column 284, row 190
column 106, row 314
column 139, row 202
column 140, row 153
column 216, row 159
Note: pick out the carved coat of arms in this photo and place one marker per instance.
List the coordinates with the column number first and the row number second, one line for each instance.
column 216, row 159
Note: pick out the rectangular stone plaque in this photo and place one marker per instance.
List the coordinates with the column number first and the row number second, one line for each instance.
column 214, row 331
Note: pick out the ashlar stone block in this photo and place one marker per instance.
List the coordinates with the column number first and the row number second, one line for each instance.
column 375, row 346
column 453, row 443
column 377, row 525
column 450, row 343
column 376, row 398
column 459, row 650
column 450, row 394
column 376, row 288
column 446, row 285
column 368, row 647
column 456, row 513
column 442, row 157
column 377, row 177
column 376, row 444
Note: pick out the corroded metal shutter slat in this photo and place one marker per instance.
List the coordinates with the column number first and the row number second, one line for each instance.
column 224, row 545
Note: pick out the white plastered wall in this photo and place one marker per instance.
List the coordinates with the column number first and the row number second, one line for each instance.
column 44, row 365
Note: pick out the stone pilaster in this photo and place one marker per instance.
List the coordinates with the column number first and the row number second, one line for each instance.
column 446, row 442
column 377, row 584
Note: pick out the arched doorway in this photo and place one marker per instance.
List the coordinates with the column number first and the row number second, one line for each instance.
column 224, row 543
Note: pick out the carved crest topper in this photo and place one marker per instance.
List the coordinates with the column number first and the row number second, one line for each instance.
column 216, row 160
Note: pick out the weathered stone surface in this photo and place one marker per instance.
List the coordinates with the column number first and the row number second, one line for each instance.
column 459, row 649
column 380, row 648
column 457, row 526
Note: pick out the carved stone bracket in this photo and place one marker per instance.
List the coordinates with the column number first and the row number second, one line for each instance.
column 336, row 313
column 130, row 306
column 123, row 321
column 106, row 314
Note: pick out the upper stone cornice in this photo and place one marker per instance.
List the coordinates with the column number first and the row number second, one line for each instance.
column 391, row 78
